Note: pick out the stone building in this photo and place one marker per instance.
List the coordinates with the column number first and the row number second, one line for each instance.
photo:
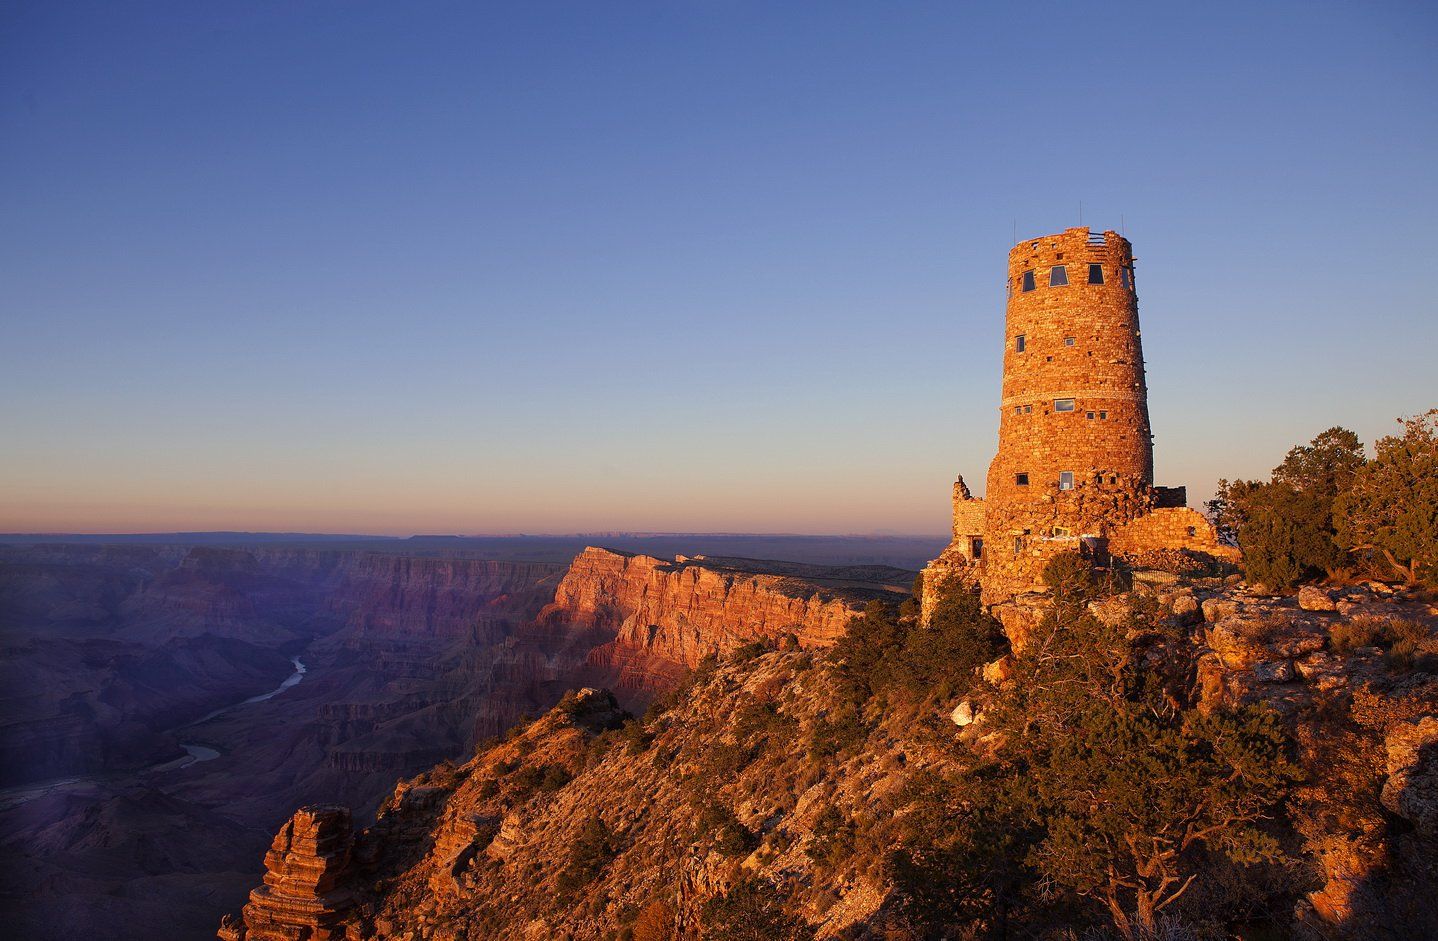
column 1074, row 469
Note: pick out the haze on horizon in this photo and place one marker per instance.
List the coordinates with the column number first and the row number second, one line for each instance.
column 560, row 267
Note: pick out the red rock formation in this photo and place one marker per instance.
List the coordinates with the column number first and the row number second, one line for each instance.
column 303, row 897
column 664, row 617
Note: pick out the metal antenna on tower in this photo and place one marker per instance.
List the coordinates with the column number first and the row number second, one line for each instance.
column 1080, row 213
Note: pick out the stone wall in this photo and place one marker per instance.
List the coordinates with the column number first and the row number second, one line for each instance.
column 1170, row 528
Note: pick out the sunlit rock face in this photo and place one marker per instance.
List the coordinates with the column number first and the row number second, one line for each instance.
column 661, row 618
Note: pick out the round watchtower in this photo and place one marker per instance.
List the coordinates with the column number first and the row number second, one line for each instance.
column 1075, row 450
column 1074, row 398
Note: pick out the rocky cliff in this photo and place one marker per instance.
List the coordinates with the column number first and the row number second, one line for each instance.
column 656, row 619
column 584, row 826
column 111, row 653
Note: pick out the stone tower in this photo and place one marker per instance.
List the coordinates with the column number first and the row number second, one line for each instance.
column 1074, row 469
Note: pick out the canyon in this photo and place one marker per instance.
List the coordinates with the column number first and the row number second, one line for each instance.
column 588, row 824
column 151, row 747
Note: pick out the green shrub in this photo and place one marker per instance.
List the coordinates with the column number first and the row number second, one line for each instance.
column 590, row 852
column 833, row 838
column 721, row 831
column 753, row 910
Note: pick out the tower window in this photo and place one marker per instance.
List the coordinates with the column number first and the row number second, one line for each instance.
column 1069, row 341
column 1063, row 405
column 1095, row 274
column 1088, row 415
column 1103, row 416
column 1058, row 276
column 1066, row 480
column 1061, row 531
column 1193, row 530
column 1020, row 341
column 1029, row 281
column 1125, row 278
column 1028, row 408
column 1021, row 480
column 1018, row 544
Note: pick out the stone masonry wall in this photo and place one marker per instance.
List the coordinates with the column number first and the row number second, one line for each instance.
column 1170, row 528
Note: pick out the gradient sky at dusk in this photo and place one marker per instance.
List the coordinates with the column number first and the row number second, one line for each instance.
column 544, row 267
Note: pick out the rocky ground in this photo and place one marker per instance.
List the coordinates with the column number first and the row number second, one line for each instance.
column 582, row 826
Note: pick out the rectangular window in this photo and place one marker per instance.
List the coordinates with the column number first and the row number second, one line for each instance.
column 1020, row 343
column 1018, row 544
column 1028, row 281
column 1018, row 409
column 1068, row 341
column 1103, row 416
column 1021, row 480
column 1061, row 531
column 1028, row 408
column 1095, row 274
column 1088, row 415
column 1066, row 480
column 1063, row 405
column 1058, row 276
column 1124, row 278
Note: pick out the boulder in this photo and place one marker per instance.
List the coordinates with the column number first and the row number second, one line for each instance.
column 963, row 714
column 1274, row 671
column 1411, row 790
column 1313, row 598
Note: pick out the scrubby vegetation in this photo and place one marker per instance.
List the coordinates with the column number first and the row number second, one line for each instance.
column 928, row 783
column 1101, row 782
column 1327, row 509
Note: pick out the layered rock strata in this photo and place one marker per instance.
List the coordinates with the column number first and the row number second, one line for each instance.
column 665, row 617
column 302, row 898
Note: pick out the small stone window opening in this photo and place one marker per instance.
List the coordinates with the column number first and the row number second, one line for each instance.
column 1192, row 531
column 1021, row 480
column 977, row 548
column 1018, row 544
column 1029, row 281
column 1058, row 276
column 1063, row 405
column 1095, row 274
column 1103, row 416
column 1020, row 341
column 1028, row 408
column 1125, row 278
column 1113, row 480
column 1088, row 415
column 1061, row 531
column 1069, row 341
column 1066, row 480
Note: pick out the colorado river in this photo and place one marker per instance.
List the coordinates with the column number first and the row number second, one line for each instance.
column 194, row 753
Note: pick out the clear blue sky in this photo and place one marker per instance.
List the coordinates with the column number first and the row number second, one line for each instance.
column 674, row 266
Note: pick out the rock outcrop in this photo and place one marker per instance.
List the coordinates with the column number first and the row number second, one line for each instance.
column 662, row 618
column 303, row 897
column 487, row 848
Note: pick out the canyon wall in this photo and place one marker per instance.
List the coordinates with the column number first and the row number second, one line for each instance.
column 655, row 619
column 116, row 656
